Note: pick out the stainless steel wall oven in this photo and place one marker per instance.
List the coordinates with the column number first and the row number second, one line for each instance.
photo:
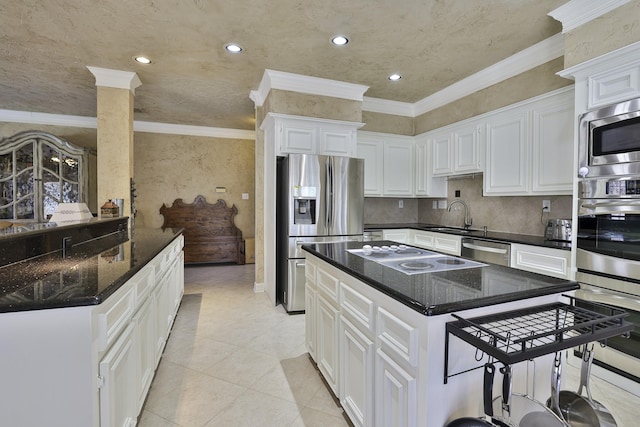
column 608, row 263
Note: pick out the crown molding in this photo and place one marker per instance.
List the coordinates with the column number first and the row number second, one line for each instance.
column 13, row 116
column 175, row 129
column 538, row 54
column 115, row 78
column 624, row 56
column 385, row 106
column 578, row 12
column 305, row 84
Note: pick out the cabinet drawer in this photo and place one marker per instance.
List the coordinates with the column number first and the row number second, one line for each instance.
column 357, row 307
column 327, row 284
column 143, row 283
column 397, row 337
column 552, row 262
column 114, row 316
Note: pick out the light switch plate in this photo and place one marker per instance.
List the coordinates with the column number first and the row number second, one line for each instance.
column 442, row 204
column 245, row 196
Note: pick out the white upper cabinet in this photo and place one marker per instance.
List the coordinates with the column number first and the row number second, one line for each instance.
column 398, row 174
column 507, row 154
column 529, row 147
column 370, row 149
column 458, row 149
column 309, row 135
column 425, row 184
column 553, row 124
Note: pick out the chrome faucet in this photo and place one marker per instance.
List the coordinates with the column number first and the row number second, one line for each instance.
column 467, row 219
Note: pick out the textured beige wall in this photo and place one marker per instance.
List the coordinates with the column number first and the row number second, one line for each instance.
column 115, row 145
column 609, row 32
column 536, row 81
column 302, row 104
column 80, row 137
column 168, row 167
column 383, row 210
column 388, row 123
column 521, row 215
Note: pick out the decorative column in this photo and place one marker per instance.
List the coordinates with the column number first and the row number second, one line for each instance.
column 116, row 90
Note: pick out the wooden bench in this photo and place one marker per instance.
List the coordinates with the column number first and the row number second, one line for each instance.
column 210, row 234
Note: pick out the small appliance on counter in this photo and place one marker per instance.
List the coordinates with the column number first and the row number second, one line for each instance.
column 559, row 230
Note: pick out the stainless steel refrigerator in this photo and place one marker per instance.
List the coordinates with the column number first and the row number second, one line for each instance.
column 318, row 199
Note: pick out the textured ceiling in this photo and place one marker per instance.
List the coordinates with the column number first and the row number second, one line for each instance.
column 45, row 46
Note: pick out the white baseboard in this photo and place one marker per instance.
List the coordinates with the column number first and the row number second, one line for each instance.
column 258, row 287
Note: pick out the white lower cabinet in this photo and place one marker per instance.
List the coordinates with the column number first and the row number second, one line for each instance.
column 396, row 394
column 537, row 259
column 118, row 391
column 327, row 350
column 356, row 364
column 441, row 242
column 399, row 236
column 145, row 331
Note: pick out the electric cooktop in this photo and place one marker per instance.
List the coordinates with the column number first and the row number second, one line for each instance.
column 411, row 260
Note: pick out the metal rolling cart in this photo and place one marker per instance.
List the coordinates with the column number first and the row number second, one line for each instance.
column 523, row 335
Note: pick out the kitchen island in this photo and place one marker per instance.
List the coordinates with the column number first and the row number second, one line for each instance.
column 83, row 334
column 378, row 333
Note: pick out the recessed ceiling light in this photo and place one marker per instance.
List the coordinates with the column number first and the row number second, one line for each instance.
column 233, row 48
column 142, row 59
column 394, row 77
column 339, row 40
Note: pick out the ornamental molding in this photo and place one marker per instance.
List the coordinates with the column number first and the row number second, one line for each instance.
column 579, row 12
column 115, row 78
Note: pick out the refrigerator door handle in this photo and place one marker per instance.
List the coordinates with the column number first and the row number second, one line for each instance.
column 329, row 191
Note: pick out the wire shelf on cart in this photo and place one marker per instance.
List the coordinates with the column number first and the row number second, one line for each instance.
column 518, row 335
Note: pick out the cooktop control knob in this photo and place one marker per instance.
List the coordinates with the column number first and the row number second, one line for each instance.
column 583, row 171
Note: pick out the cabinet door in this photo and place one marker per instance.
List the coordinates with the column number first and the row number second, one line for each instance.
column 508, row 155
column 537, row 259
column 448, row 244
column 442, row 149
column 468, row 149
column 400, row 236
column 553, row 147
column 118, row 391
column 423, row 240
column 162, row 298
column 398, row 168
column 356, row 364
column 327, row 336
column 371, row 151
column 337, row 142
column 145, row 340
column 297, row 138
column 396, row 394
column 310, row 316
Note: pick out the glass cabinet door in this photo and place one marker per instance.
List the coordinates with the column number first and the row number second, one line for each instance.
column 37, row 172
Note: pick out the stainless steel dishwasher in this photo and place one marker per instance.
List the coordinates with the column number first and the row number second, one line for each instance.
column 486, row 250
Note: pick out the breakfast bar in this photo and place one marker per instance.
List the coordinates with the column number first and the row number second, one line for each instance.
column 376, row 319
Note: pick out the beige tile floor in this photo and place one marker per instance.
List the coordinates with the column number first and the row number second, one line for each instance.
column 235, row 360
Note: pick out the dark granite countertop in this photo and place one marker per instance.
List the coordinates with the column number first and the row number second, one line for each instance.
column 85, row 278
column 441, row 292
column 525, row 239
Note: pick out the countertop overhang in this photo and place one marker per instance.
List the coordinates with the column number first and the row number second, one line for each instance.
column 441, row 292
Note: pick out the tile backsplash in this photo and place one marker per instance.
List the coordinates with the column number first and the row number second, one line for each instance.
column 516, row 214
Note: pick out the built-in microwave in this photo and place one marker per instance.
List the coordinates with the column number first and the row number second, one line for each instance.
column 609, row 140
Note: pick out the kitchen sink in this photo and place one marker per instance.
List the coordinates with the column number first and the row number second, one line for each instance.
column 452, row 230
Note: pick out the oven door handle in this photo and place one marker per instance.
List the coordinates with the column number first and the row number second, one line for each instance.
column 610, row 298
column 610, row 206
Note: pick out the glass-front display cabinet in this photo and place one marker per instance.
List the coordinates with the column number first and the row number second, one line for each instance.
column 38, row 170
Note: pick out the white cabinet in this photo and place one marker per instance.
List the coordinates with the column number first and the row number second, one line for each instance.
column 553, row 122
column 396, row 394
column 507, row 170
column 145, row 331
column 468, row 148
column 309, row 135
column 529, row 147
column 397, row 235
column 538, row 259
column 310, row 311
column 458, row 149
column 117, row 374
column 370, row 149
column 398, row 176
column 442, row 152
column 426, row 185
column 356, row 365
column 441, row 242
column 327, row 324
